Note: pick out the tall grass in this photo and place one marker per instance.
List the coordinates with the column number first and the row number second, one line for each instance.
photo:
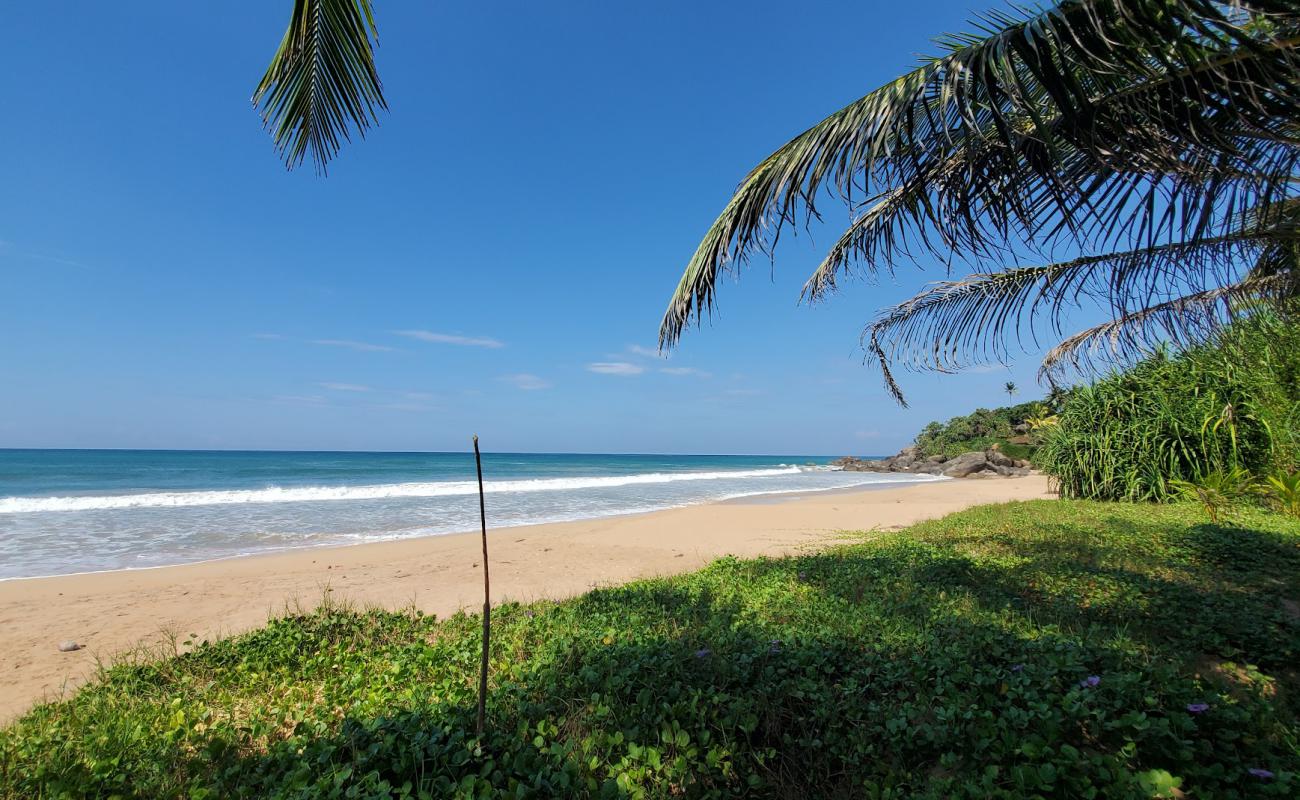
column 1233, row 403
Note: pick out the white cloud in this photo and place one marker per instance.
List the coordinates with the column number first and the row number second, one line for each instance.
column 648, row 352
column 343, row 387
column 699, row 373
column 414, row 407
column 300, row 399
column 451, row 338
column 526, row 381
column 361, row 347
column 615, row 368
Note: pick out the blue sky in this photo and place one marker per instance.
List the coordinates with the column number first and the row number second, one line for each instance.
column 494, row 258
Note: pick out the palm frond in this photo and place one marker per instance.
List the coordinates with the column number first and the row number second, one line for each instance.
column 1188, row 319
column 1104, row 121
column 976, row 319
column 322, row 81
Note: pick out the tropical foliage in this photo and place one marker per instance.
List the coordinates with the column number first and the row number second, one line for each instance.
column 1283, row 490
column 1216, row 491
column 1049, row 649
column 1158, row 139
column 1232, row 403
column 322, row 82
column 1010, row 428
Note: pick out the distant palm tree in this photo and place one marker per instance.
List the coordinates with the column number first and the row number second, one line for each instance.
column 1010, row 388
column 322, row 81
column 1158, row 138
column 1056, row 397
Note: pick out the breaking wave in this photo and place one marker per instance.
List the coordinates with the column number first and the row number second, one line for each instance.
column 311, row 494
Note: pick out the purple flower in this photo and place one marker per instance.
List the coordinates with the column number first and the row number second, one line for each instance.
column 1262, row 774
column 1089, row 682
column 1017, row 667
column 703, row 652
column 1197, row 708
column 775, row 646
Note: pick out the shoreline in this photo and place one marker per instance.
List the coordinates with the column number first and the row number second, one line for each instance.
column 752, row 498
column 113, row 612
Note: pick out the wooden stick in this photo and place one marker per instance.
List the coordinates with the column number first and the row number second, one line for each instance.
column 487, row 597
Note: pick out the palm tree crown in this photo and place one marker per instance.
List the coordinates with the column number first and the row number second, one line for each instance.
column 1159, row 138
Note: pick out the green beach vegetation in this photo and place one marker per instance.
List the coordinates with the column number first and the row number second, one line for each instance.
column 1174, row 420
column 1049, row 648
column 1015, row 430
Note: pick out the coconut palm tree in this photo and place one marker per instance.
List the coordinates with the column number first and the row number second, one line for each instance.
column 1155, row 141
column 322, row 82
column 1010, row 388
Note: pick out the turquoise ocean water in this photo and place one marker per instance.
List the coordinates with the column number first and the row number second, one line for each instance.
column 65, row 511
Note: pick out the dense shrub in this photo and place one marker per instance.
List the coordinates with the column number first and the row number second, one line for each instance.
column 983, row 429
column 1232, row 403
column 1045, row 649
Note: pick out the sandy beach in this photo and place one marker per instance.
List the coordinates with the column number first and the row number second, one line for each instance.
column 112, row 612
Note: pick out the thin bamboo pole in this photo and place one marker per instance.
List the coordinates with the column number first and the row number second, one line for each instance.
column 487, row 596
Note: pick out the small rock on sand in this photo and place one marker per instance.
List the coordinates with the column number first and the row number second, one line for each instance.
column 68, row 646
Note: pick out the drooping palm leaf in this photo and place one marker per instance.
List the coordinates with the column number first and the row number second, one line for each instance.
column 978, row 318
column 1189, row 318
column 1101, row 123
column 322, row 81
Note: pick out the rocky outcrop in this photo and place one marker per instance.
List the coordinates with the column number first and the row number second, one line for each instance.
column 975, row 464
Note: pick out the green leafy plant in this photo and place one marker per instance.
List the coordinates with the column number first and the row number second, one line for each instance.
column 1218, row 490
column 1283, row 489
column 1049, row 648
column 1233, row 402
column 981, row 430
column 1158, row 783
column 1039, row 423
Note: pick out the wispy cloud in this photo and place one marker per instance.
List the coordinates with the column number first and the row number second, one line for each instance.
column 526, row 381
column 615, row 368
column 648, row 352
column 348, row 344
column 300, row 399
column 698, row 373
column 67, row 262
column 343, row 387
column 412, row 407
column 8, row 248
column 866, row 434
column 451, row 338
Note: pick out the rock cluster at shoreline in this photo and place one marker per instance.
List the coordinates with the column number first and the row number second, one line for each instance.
column 975, row 464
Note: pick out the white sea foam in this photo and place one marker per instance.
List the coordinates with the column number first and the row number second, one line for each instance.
column 307, row 494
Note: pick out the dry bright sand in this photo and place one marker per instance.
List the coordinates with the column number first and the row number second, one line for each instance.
column 109, row 613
